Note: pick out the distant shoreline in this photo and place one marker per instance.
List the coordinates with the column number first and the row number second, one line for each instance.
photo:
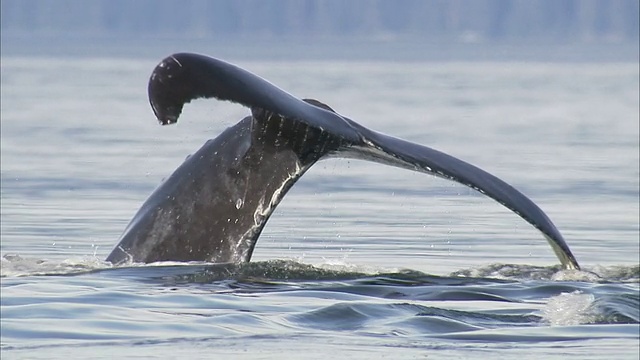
column 346, row 49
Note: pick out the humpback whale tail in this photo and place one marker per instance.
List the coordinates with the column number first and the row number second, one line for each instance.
column 214, row 206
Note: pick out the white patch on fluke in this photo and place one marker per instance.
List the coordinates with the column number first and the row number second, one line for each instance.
column 262, row 211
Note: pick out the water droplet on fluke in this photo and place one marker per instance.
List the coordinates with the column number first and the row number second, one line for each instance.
column 238, row 203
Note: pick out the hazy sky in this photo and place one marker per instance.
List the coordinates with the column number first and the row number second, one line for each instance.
column 460, row 20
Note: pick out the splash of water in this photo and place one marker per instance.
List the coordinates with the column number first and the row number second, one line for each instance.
column 573, row 308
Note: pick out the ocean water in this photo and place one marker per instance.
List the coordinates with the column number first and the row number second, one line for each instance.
column 360, row 260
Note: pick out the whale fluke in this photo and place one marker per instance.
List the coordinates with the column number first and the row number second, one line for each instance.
column 214, row 206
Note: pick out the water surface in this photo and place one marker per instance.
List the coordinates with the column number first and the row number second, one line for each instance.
column 359, row 260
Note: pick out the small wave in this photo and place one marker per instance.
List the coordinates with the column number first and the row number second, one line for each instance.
column 412, row 318
column 626, row 274
column 17, row 266
column 619, row 308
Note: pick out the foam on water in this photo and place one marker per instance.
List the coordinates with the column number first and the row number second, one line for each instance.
column 17, row 266
column 570, row 309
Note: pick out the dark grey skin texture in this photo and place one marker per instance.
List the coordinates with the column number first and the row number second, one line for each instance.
column 214, row 206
